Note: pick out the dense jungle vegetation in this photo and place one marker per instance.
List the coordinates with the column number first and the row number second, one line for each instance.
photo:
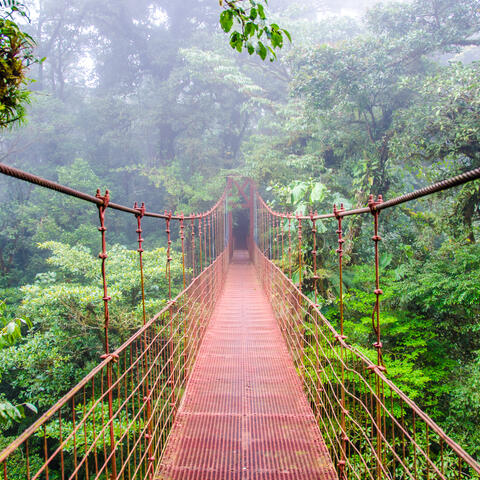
column 148, row 98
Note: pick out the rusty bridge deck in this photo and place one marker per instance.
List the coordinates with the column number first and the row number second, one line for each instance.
column 244, row 413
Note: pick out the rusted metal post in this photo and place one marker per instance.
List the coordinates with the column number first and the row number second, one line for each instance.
column 315, row 315
column 182, row 239
column 314, row 256
column 193, row 247
column 376, row 327
column 146, row 389
column 106, row 298
column 290, row 246
column 252, row 221
column 341, row 339
column 200, row 242
column 171, row 361
column 300, row 257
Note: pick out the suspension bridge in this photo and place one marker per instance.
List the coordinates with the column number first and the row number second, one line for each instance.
column 239, row 376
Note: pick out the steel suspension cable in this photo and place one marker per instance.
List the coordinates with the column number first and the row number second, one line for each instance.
column 375, row 431
column 416, row 194
column 42, row 182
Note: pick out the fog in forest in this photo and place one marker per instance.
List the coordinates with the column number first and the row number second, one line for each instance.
column 148, row 99
column 150, row 96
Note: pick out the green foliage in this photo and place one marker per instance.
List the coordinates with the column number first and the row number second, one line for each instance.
column 463, row 417
column 19, row 460
column 11, row 333
column 303, row 197
column 168, row 110
column 444, row 287
column 254, row 28
column 66, row 309
column 429, row 328
column 442, row 24
column 73, row 290
column 11, row 330
column 46, row 365
column 442, row 290
column 354, row 89
column 442, row 123
column 16, row 413
column 16, row 56
column 97, row 417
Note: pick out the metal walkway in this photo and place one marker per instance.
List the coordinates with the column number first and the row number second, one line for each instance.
column 244, row 414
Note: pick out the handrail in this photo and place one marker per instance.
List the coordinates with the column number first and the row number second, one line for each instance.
column 84, row 382
column 416, row 194
column 42, row 182
column 371, row 366
column 364, row 417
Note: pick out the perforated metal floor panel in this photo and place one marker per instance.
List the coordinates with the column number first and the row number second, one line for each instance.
column 244, row 413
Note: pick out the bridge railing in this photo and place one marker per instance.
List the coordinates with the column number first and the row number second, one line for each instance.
column 114, row 424
column 372, row 429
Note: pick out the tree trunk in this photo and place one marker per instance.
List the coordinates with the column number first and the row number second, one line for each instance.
column 350, row 239
column 468, row 211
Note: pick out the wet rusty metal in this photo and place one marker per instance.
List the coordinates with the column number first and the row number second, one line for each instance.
column 244, row 413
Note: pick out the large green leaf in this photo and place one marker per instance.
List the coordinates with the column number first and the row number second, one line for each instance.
column 318, row 192
column 298, row 192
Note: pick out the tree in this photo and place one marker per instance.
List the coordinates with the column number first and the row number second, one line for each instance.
column 16, row 55
column 443, row 119
column 66, row 31
column 439, row 132
column 353, row 90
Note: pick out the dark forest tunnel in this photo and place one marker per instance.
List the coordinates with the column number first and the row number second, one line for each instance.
column 241, row 227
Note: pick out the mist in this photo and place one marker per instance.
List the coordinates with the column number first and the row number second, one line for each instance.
column 150, row 95
column 167, row 101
